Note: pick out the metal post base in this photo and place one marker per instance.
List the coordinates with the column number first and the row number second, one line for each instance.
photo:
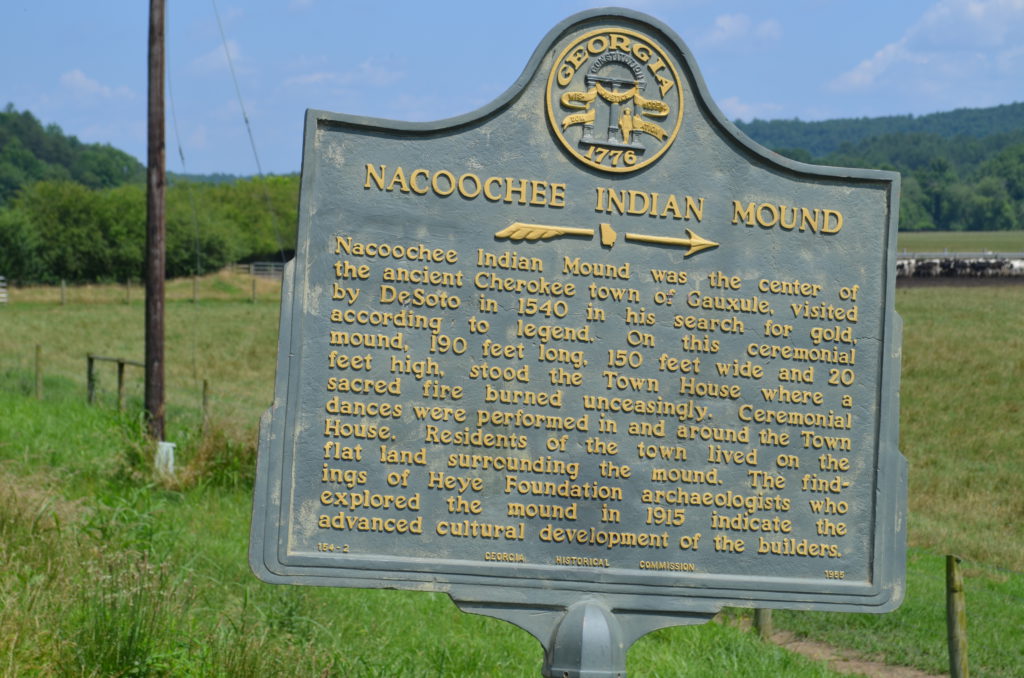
column 585, row 637
column 587, row 643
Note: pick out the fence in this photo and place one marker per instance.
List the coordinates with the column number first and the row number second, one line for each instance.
column 90, row 376
column 956, row 619
column 262, row 268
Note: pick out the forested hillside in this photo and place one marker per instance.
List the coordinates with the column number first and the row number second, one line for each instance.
column 962, row 170
column 77, row 212
column 824, row 137
column 30, row 152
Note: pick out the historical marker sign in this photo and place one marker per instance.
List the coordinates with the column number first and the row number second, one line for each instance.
column 590, row 349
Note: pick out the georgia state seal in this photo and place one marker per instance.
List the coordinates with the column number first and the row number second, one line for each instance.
column 614, row 100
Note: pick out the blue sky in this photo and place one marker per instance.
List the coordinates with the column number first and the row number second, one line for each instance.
column 82, row 65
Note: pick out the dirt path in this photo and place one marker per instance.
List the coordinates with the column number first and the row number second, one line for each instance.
column 838, row 659
column 845, row 661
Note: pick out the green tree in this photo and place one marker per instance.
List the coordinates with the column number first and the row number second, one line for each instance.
column 914, row 214
column 64, row 217
column 30, row 152
column 121, row 217
column 19, row 246
column 988, row 206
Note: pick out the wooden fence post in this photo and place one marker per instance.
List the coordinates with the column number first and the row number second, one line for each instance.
column 763, row 623
column 39, row 371
column 120, row 386
column 956, row 619
column 91, row 375
column 90, row 379
column 206, row 403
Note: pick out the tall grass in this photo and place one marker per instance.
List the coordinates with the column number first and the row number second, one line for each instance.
column 915, row 634
column 106, row 571
column 962, row 393
column 129, row 580
column 224, row 339
column 962, row 420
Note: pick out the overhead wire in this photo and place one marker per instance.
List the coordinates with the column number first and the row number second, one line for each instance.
column 198, row 271
column 248, row 127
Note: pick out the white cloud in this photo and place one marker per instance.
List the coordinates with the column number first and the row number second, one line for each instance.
column 867, row 72
column 82, row 87
column 370, row 73
column 736, row 109
column 969, row 24
column 731, row 28
column 954, row 40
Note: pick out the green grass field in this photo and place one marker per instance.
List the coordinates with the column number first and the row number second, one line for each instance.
column 961, row 241
column 106, row 572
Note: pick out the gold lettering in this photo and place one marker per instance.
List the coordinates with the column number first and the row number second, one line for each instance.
column 416, row 187
column 448, row 177
column 618, row 42
column 399, row 179
column 371, row 173
column 665, row 84
column 768, row 215
column 443, row 183
column 476, row 181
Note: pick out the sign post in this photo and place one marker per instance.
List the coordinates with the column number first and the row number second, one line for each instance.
column 587, row 359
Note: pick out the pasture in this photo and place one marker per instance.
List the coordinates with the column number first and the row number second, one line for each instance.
column 961, row 241
column 107, row 571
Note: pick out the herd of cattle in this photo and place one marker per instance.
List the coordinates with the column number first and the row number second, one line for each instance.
column 963, row 266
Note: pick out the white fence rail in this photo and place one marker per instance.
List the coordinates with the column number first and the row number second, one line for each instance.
column 263, row 268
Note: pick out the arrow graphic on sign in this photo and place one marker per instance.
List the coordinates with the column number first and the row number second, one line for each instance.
column 522, row 231
column 693, row 241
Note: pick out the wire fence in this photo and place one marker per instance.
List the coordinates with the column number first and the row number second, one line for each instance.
column 261, row 268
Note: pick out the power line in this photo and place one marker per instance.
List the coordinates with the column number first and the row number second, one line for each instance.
column 248, row 128
column 195, row 223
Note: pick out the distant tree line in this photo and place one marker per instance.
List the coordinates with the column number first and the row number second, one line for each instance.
column 61, row 230
column 30, row 152
column 960, row 184
column 825, row 136
column 55, row 230
column 962, row 170
column 77, row 212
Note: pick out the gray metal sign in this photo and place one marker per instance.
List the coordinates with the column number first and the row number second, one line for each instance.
column 587, row 358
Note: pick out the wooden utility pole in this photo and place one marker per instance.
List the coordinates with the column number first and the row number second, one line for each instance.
column 155, row 250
